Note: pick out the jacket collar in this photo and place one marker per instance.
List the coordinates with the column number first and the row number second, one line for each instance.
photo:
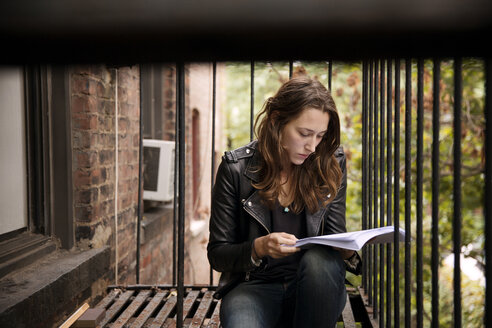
column 251, row 171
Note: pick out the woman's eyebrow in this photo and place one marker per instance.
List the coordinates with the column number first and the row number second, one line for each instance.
column 309, row 130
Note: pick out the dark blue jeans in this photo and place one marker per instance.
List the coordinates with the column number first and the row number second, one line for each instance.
column 316, row 298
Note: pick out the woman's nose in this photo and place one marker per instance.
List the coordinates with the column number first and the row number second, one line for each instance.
column 311, row 145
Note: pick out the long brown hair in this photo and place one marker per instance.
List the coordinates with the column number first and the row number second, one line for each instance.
column 317, row 179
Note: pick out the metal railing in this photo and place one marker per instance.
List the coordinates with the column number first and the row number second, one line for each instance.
column 381, row 188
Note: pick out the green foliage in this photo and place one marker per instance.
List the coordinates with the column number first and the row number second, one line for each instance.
column 347, row 91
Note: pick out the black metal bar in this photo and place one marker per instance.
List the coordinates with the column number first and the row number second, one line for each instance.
column 291, row 68
column 408, row 188
column 252, row 110
column 396, row 199
column 389, row 121
column 381, row 191
column 376, row 194
column 419, row 201
column 435, row 193
column 364, row 165
column 176, row 180
column 212, row 173
column 181, row 217
column 488, row 192
column 458, row 88
column 370, row 168
column 330, row 68
column 140, row 179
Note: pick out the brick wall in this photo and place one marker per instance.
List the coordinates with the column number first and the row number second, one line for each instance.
column 96, row 190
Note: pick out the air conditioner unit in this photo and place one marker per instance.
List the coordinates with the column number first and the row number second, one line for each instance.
column 158, row 171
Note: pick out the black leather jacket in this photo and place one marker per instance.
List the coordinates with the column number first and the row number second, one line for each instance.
column 238, row 216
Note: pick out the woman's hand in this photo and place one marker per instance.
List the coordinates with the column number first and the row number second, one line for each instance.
column 274, row 245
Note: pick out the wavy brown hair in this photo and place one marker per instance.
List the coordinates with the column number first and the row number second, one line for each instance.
column 316, row 181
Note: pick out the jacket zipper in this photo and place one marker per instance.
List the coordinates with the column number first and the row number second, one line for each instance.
column 247, row 209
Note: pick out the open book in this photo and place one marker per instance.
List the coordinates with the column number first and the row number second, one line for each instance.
column 354, row 240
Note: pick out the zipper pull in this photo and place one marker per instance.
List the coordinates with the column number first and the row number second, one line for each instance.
column 247, row 276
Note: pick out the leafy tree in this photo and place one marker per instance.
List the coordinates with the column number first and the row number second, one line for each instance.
column 347, row 90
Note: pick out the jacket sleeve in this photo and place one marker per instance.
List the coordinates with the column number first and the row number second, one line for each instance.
column 335, row 213
column 226, row 250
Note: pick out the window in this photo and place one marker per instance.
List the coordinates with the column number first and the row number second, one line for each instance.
column 13, row 189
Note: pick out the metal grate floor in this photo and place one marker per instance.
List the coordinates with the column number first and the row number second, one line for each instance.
column 152, row 307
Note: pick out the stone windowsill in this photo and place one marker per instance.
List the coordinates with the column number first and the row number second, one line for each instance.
column 50, row 287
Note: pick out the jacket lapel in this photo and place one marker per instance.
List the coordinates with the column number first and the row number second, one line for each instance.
column 313, row 222
column 254, row 205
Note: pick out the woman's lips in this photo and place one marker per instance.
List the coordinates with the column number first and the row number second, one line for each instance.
column 304, row 156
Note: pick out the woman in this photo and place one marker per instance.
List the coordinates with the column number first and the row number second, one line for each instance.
column 287, row 185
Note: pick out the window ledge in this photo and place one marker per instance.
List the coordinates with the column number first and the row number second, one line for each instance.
column 44, row 290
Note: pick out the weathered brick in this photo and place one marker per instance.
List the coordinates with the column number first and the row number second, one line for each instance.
column 85, row 121
column 106, row 157
column 86, row 196
column 106, row 123
column 86, row 213
column 123, row 124
column 107, row 140
column 84, row 85
column 106, row 106
column 85, row 159
column 83, row 139
column 81, row 179
column 84, row 232
column 136, row 140
column 95, row 176
column 105, row 90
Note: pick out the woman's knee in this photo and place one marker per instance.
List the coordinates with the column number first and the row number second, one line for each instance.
column 322, row 262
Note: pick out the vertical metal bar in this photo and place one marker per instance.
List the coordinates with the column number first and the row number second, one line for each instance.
column 370, row 177
column 252, row 102
column 457, row 191
column 488, row 192
column 140, row 179
column 181, row 194
column 176, row 180
column 389, row 121
column 435, row 193
column 376, row 194
column 419, row 201
column 212, row 173
column 396, row 199
column 364, row 165
column 381, row 191
column 291, row 68
column 408, row 188
column 330, row 68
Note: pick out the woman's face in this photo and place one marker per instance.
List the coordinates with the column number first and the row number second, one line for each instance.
column 301, row 135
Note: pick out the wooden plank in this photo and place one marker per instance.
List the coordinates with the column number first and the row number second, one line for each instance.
column 149, row 309
column 202, row 310
column 348, row 315
column 165, row 311
column 131, row 309
column 187, row 305
column 116, row 307
column 215, row 319
column 68, row 323
column 104, row 303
